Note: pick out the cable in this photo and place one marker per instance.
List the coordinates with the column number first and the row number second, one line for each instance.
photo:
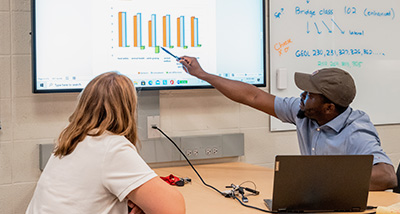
column 255, row 186
column 254, row 191
column 233, row 195
column 155, row 127
column 267, row 211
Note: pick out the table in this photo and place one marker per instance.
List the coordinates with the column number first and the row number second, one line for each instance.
column 202, row 199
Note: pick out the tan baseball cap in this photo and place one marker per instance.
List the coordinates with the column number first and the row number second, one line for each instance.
column 334, row 83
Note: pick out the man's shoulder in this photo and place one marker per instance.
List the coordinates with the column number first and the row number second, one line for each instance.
column 286, row 102
column 358, row 117
column 359, row 126
column 286, row 108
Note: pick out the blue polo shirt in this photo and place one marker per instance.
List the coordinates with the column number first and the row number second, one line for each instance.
column 350, row 133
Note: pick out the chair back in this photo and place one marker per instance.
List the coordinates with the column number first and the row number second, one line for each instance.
column 397, row 189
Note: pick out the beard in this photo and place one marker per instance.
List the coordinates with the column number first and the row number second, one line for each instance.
column 301, row 114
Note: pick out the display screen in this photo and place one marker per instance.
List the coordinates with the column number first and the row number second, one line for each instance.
column 76, row 40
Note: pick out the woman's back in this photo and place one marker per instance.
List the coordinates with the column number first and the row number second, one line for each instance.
column 95, row 167
column 90, row 179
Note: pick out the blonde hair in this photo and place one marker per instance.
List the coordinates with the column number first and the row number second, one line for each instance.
column 108, row 103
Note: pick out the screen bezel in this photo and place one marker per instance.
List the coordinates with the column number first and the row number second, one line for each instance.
column 175, row 87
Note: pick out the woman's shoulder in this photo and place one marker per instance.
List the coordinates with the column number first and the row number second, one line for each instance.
column 115, row 140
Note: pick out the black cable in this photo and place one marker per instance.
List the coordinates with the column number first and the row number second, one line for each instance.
column 233, row 195
column 155, row 127
column 267, row 211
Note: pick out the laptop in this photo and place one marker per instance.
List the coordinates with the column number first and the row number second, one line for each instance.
column 321, row 183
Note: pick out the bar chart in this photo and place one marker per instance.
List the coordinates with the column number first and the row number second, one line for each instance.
column 128, row 36
column 148, row 33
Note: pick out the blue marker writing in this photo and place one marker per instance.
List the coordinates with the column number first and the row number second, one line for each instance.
column 170, row 53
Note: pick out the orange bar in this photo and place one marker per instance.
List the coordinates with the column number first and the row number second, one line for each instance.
column 164, row 31
column 135, row 38
column 192, row 25
column 150, row 45
column 120, row 28
column 179, row 32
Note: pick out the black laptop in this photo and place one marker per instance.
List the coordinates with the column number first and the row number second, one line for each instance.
column 320, row 183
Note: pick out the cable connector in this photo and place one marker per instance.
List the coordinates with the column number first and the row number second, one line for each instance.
column 255, row 192
column 154, row 126
column 229, row 193
column 187, row 180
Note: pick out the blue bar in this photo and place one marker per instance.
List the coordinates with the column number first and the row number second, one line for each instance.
column 139, row 24
column 182, row 31
column 153, row 30
column 196, row 32
column 123, row 16
column 168, row 26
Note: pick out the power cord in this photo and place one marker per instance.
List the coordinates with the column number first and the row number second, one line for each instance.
column 155, row 127
column 232, row 194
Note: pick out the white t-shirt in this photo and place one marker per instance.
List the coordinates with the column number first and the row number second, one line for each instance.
column 95, row 178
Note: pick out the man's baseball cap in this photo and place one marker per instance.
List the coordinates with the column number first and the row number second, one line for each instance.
column 335, row 84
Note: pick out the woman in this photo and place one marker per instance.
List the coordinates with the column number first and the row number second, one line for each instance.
column 95, row 167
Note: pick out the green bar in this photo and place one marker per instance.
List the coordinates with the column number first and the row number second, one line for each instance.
column 185, row 47
column 198, row 45
column 157, row 49
column 171, row 46
column 142, row 47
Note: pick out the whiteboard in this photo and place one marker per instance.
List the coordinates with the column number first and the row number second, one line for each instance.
column 359, row 36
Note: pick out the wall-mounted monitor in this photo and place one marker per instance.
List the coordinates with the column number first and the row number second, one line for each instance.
column 75, row 40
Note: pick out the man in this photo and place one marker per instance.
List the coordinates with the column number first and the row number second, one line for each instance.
column 325, row 123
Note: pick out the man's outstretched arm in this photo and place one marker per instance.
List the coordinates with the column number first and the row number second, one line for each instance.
column 235, row 90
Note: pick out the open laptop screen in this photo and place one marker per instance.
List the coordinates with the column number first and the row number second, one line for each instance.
column 321, row 183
